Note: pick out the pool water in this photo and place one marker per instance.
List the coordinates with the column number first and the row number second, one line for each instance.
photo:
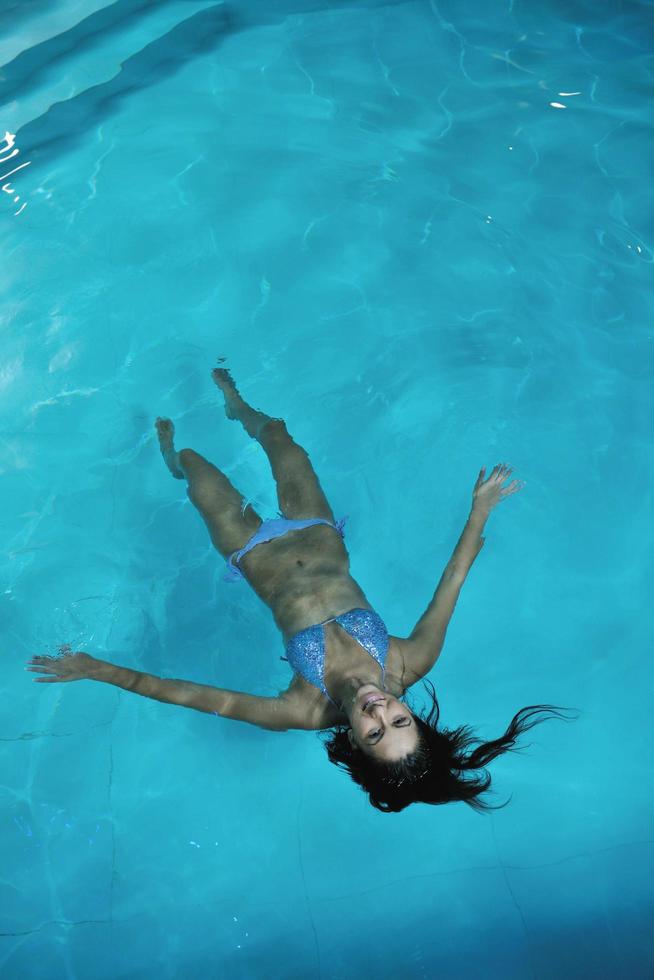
column 422, row 234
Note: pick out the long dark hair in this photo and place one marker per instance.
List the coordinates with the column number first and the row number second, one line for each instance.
column 433, row 772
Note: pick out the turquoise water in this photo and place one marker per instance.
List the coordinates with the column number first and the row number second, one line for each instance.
column 421, row 233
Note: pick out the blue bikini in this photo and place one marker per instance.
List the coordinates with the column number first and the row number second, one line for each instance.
column 270, row 530
column 305, row 651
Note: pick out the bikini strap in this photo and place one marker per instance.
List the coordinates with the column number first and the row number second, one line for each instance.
column 340, row 524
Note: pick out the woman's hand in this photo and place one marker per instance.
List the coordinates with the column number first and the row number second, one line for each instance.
column 68, row 666
column 488, row 493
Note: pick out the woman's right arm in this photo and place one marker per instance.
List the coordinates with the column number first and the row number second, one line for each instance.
column 422, row 648
column 276, row 714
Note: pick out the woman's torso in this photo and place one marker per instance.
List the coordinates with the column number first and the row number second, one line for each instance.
column 304, row 578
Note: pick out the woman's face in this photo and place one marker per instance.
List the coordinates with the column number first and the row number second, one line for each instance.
column 381, row 726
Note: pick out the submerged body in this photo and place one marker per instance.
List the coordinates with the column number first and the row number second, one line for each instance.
column 348, row 670
column 349, row 673
column 304, row 578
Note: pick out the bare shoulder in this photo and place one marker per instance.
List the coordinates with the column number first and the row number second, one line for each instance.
column 402, row 668
column 306, row 702
column 401, row 672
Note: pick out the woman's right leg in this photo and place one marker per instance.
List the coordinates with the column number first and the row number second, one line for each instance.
column 299, row 493
column 219, row 503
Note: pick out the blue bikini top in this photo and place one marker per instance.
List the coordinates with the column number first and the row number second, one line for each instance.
column 305, row 651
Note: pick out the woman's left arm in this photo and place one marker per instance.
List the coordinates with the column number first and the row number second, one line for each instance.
column 276, row 714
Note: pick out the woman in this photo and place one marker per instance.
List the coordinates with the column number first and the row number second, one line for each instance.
column 350, row 675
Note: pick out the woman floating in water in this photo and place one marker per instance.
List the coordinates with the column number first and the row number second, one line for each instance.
column 350, row 676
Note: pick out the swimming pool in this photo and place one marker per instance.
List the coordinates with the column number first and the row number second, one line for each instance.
column 421, row 233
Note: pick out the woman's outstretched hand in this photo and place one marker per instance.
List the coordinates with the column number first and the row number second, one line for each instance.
column 488, row 493
column 68, row 666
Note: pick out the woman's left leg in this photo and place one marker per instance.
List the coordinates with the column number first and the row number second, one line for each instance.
column 219, row 503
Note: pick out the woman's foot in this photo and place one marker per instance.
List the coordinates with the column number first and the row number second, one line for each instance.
column 235, row 407
column 166, row 432
column 225, row 382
